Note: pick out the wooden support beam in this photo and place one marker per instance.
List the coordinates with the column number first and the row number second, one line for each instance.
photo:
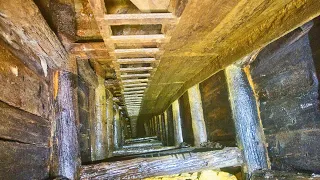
column 29, row 35
column 127, row 81
column 110, row 122
column 117, row 129
column 137, row 69
column 178, row 138
column 131, row 39
column 65, row 146
column 246, row 118
column 135, row 53
column 140, row 168
column 87, row 73
column 133, row 92
column 146, row 75
column 134, row 151
column 198, row 124
column 135, row 88
column 140, row 19
column 136, row 85
column 137, row 60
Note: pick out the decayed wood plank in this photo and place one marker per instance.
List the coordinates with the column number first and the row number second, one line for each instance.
column 151, row 5
column 23, row 161
column 147, row 167
column 128, row 39
column 134, row 81
column 21, row 87
column 126, row 152
column 87, row 73
column 65, row 160
column 18, row 125
column 149, row 18
column 136, row 60
column 281, row 175
column 30, row 35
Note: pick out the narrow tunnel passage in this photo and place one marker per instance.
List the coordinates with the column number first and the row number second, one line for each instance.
column 159, row 89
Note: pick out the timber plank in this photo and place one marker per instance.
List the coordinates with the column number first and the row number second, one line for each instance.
column 18, row 125
column 147, row 167
column 21, row 87
column 23, row 161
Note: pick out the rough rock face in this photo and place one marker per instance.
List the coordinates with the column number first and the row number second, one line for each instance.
column 286, row 86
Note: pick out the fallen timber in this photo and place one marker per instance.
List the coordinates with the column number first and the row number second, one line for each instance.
column 165, row 165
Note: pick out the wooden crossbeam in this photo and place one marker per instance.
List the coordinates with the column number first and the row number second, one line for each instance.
column 134, row 81
column 133, row 99
column 142, row 52
column 136, row 69
column 136, row 60
column 129, row 39
column 140, row 168
column 135, row 19
column 135, row 88
column 135, row 75
column 133, row 92
column 135, row 85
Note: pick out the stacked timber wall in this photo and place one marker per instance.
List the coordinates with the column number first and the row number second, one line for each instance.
column 286, row 87
column 25, row 120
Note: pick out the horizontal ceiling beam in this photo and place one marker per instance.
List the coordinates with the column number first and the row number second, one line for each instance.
column 129, row 39
column 136, row 60
column 134, row 88
column 134, row 80
column 134, row 92
column 136, row 69
column 140, row 52
column 136, row 85
column 137, row 19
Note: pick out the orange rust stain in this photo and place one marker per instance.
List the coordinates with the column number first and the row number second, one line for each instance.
column 55, row 84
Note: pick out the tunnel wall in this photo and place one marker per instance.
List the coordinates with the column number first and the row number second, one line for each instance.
column 286, row 87
column 25, row 119
column 216, row 110
column 187, row 131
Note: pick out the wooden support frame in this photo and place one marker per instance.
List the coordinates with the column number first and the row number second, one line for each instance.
column 178, row 138
column 246, row 118
column 137, row 60
column 138, row 19
column 131, row 39
column 140, row 168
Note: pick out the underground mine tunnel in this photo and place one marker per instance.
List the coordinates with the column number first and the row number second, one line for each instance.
column 159, row 89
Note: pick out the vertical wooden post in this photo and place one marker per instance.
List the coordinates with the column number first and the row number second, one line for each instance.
column 110, row 119
column 178, row 138
column 198, row 124
column 160, row 127
column 245, row 115
column 165, row 116
column 116, row 127
column 99, row 125
column 65, row 160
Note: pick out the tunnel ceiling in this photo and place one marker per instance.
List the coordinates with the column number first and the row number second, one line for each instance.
column 183, row 43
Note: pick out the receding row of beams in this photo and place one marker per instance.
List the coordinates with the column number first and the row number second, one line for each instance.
column 134, row 19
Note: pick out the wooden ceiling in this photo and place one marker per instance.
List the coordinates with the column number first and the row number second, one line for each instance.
column 153, row 52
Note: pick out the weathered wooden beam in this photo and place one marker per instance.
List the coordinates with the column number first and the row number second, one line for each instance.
column 87, row 73
column 282, row 175
column 134, row 81
column 136, row 60
column 137, row 69
column 178, row 138
column 133, row 151
column 150, row 138
column 136, row 85
column 148, row 18
column 133, row 92
column 146, row 75
column 152, row 5
column 135, row 88
column 135, row 53
column 245, row 115
column 129, row 39
column 142, row 144
column 147, row 167
column 198, row 124
column 110, row 122
column 116, row 128
column 65, row 147
column 27, row 32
